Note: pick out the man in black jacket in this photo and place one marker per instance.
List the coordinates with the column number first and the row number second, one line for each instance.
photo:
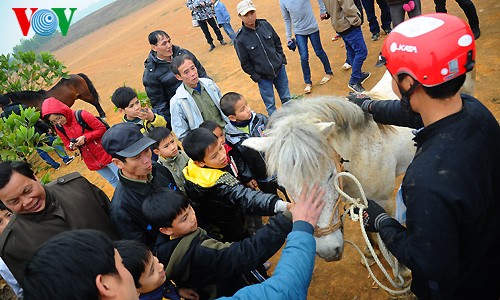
column 450, row 189
column 158, row 80
column 139, row 176
column 261, row 55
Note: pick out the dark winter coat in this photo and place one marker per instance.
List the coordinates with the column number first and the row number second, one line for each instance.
column 255, row 159
column 214, row 268
column 260, row 51
column 160, row 82
column 126, row 205
column 220, row 202
column 452, row 194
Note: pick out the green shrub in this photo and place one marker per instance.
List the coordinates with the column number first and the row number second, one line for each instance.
column 19, row 140
column 29, row 71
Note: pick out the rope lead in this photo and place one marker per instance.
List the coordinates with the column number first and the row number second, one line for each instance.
column 362, row 204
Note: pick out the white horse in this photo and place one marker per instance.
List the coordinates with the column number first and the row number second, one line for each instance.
column 305, row 137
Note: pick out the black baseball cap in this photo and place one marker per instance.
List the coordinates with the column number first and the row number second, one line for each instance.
column 125, row 139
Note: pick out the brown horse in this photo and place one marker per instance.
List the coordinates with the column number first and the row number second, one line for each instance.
column 77, row 86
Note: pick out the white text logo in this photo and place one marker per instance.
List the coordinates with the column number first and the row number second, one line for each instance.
column 406, row 48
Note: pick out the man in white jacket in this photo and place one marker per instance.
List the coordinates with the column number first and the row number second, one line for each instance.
column 195, row 101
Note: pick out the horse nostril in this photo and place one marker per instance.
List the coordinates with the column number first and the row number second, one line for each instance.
column 339, row 255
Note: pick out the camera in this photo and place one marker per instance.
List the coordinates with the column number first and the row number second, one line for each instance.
column 72, row 142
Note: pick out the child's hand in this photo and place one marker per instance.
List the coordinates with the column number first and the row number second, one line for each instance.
column 188, row 294
column 146, row 114
column 309, row 205
column 252, row 184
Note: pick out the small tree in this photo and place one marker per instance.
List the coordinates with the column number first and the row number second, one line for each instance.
column 29, row 71
column 19, row 140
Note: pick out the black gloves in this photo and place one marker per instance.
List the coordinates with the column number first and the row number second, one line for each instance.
column 360, row 100
column 373, row 216
column 292, row 44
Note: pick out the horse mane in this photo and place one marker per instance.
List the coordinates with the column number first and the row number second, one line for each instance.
column 26, row 96
column 299, row 143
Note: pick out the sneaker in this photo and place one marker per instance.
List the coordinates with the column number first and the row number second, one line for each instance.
column 69, row 160
column 222, row 42
column 364, row 77
column 388, row 30
column 212, row 47
column 346, row 66
column 357, row 87
column 231, row 43
column 375, row 36
column 57, row 167
column 336, row 38
column 307, row 89
column 476, row 32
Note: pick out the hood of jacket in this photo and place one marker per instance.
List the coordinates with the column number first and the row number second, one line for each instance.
column 54, row 106
column 204, row 177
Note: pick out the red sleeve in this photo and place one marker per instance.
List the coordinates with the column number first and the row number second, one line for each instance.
column 98, row 129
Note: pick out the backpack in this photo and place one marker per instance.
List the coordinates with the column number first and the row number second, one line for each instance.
column 81, row 121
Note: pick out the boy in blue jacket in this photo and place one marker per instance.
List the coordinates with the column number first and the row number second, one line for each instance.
column 224, row 19
column 245, row 123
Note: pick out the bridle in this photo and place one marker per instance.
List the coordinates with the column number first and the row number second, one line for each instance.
column 322, row 231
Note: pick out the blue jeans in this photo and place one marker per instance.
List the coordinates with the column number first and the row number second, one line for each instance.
column 304, row 54
column 385, row 15
column 398, row 13
column 267, row 91
column 356, row 52
column 229, row 30
column 58, row 149
column 110, row 173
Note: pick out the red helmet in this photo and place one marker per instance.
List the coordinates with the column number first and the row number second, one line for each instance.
column 432, row 48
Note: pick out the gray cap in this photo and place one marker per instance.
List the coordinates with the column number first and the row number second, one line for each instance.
column 125, row 139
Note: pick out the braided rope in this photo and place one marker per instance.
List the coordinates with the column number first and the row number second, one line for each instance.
column 362, row 204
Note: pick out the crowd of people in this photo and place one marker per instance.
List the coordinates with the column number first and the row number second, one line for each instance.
column 185, row 218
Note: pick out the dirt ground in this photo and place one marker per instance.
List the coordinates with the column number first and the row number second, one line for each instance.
column 114, row 55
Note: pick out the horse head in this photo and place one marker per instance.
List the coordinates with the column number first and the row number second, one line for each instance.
column 299, row 154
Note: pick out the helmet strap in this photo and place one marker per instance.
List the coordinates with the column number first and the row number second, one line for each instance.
column 405, row 99
column 469, row 65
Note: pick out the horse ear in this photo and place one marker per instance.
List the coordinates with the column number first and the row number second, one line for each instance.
column 257, row 143
column 325, row 127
